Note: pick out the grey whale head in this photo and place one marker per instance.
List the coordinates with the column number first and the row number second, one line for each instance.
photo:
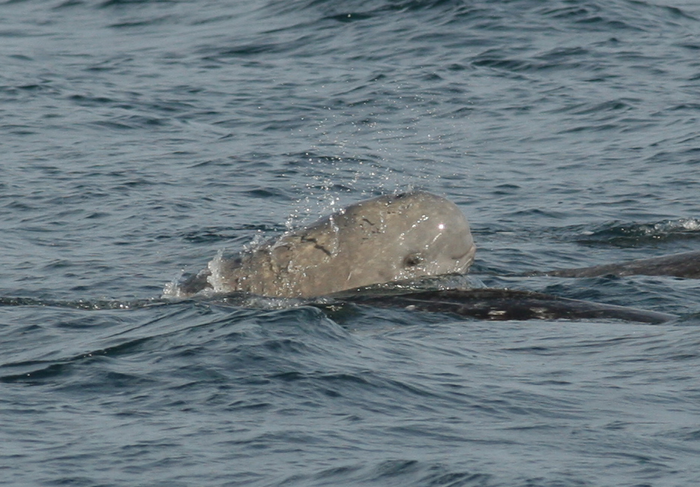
column 389, row 238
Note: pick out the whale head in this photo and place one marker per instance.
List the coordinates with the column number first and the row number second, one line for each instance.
column 400, row 237
column 390, row 238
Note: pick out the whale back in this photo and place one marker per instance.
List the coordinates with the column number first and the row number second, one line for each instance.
column 685, row 265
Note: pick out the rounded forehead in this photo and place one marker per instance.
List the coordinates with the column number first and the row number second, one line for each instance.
column 416, row 218
column 418, row 205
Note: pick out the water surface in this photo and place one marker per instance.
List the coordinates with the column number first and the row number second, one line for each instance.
column 139, row 138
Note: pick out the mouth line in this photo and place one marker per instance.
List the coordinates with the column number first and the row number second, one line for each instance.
column 469, row 253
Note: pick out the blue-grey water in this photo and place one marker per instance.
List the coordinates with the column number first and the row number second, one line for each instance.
column 139, row 138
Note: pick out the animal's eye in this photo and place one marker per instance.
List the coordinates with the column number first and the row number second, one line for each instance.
column 412, row 260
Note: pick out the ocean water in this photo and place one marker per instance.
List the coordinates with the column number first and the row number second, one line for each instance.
column 139, row 138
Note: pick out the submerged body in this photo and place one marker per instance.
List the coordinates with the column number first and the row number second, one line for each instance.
column 685, row 265
column 389, row 238
column 505, row 305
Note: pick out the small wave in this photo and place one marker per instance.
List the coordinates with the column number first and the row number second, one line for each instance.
column 634, row 234
column 86, row 304
column 410, row 472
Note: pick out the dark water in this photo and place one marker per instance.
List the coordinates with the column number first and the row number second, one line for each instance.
column 140, row 137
